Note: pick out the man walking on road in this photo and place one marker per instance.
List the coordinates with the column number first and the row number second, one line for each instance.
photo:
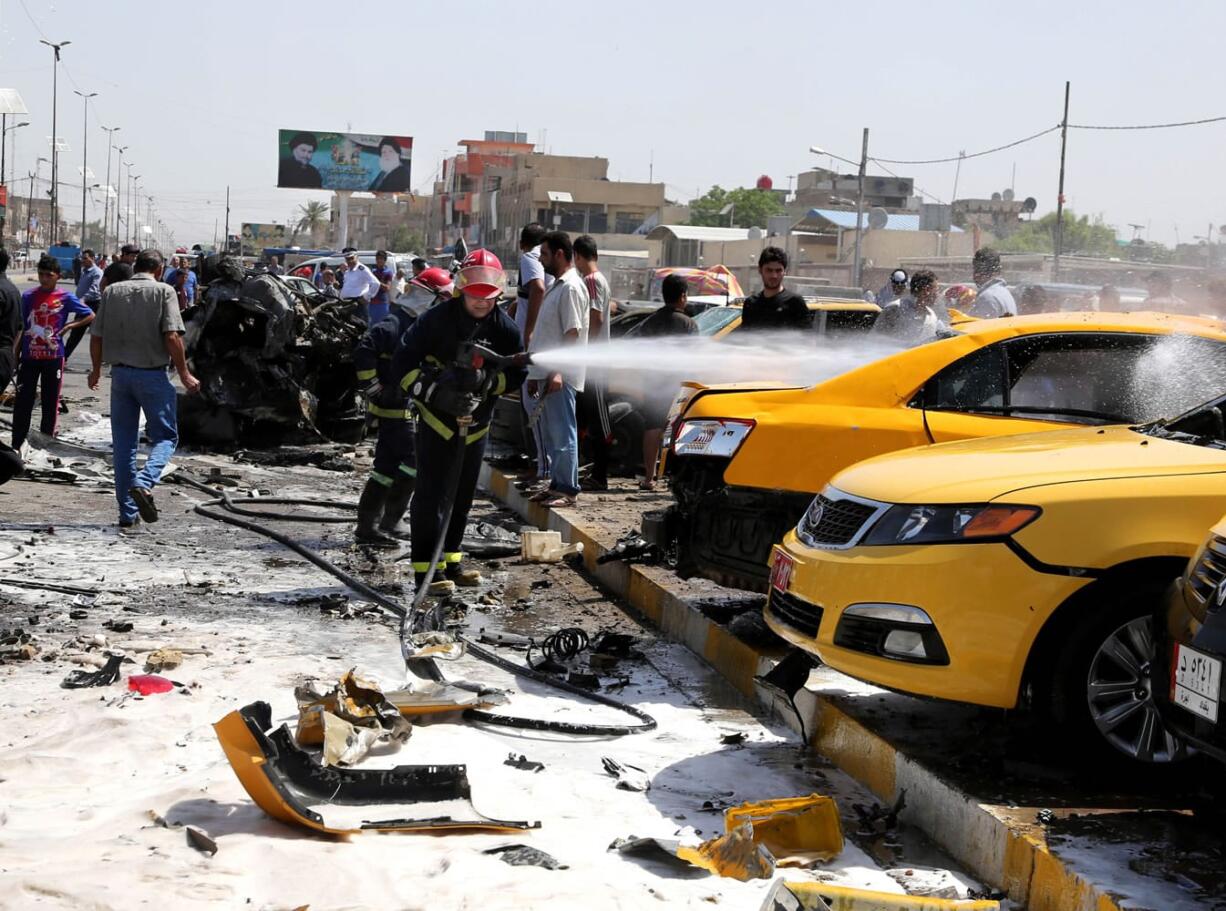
column 994, row 298
column 139, row 333
column 563, row 321
column 593, row 411
column 774, row 307
column 89, row 293
column 46, row 314
column 380, row 304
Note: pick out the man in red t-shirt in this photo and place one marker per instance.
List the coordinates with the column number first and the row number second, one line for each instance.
column 46, row 312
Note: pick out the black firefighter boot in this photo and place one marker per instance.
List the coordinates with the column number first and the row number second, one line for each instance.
column 370, row 510
column 399, row 495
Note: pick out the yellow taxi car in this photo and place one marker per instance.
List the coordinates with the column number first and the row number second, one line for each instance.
column 1009, row 570
column 746, row 461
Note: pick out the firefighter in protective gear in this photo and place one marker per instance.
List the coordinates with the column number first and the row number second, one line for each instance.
column 454, row 399
column 393, row 477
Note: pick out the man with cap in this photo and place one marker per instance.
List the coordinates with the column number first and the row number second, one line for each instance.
column 359, row 284
column 394, row 474
column 297, row 170
column 454, row 399
column 894, row 289
column 994, row 298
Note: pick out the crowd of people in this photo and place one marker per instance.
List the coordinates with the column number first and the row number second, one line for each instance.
column 430, row 401
column 132, row 311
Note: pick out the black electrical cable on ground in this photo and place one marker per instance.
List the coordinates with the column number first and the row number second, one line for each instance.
column 228, row 516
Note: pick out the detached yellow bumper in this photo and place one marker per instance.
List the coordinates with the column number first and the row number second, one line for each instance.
column 985, row 603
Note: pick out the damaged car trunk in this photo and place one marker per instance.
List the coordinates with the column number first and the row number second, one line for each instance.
column 275, row 366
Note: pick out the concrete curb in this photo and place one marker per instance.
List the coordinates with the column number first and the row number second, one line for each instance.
column 1002, row 849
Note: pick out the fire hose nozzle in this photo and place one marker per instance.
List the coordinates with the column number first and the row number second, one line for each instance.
column 474, row 355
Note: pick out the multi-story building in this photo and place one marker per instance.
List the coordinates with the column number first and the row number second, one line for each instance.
column 382, row 222
column 499, row 184
column 823, row 189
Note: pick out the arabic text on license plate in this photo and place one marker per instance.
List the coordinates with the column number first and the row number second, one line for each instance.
column 1197, row 683
column 781, row 572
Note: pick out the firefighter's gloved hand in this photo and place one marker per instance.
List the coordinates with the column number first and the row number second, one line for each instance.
column 453, row 401
column 490, row 382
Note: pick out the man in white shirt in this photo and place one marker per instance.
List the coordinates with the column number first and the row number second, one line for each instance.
column 562, row 322
column 359, row 283
column 592, row 408
column 994, row 298
column 533, row 283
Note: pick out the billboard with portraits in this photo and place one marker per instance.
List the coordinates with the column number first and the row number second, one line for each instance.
column 369, row 162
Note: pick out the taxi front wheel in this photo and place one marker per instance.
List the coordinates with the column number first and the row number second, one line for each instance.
column 1102, row 686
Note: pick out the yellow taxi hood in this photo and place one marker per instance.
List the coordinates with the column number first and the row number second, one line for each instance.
column 977, row 471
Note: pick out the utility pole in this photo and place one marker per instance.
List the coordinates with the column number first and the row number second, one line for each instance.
column 860, row 206
column 84, row 157
column 226, row 238
column 1059, row 247
column 106, row 199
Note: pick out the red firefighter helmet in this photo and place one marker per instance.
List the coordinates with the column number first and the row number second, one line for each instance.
column 434, row 280
column 481, row 275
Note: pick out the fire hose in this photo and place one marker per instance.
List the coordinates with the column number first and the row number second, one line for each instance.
column 224, row 509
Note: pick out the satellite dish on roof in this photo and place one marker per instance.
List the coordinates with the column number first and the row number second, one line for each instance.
column 1007, row 196
column 878, row 218
column 1029, row 204
column 995, row 197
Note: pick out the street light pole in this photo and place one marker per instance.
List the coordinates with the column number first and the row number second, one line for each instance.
column 106, row 188
column 84, row 156
column 55, row 154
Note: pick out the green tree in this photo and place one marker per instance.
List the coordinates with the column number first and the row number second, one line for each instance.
column 405, row 241
column 1081, row 237
column 312, row 216
column 750, row 207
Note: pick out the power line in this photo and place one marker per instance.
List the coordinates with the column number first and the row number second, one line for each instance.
column 1148, row 126
column 952, row 158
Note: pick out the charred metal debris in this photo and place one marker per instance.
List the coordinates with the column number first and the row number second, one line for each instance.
column 274, row 364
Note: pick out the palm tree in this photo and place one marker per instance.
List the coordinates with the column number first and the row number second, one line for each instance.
column 314, row 215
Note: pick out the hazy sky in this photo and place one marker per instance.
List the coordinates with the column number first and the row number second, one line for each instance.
column 715, row 92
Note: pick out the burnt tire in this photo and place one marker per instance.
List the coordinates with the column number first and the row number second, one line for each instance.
column 1101, row 689
column 626, row 447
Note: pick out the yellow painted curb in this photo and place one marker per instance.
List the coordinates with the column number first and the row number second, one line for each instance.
column 1000, row 851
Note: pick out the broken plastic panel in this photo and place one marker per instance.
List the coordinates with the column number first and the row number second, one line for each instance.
column 813, row 896
column 289, row 785
column 798, row 831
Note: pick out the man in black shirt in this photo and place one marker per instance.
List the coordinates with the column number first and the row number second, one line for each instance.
column 668, row 320
column 774, row 307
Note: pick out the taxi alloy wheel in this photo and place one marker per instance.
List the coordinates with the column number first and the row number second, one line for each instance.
column 1120, row 695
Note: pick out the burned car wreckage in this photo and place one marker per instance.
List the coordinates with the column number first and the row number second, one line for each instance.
column 275, row 362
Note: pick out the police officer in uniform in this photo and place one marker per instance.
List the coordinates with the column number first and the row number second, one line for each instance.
column 394, row 474
column 454, row 398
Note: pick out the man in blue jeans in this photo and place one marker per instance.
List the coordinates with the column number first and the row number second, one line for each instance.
column 140, row 336
column 562, row 322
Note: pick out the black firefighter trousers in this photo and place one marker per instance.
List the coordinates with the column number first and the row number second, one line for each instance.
column 436, row 460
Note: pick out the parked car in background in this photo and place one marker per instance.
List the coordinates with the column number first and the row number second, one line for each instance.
column 1013, row 570
column 746, row 462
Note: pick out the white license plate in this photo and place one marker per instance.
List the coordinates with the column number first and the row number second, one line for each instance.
column 781, row 571
column 1197, row 682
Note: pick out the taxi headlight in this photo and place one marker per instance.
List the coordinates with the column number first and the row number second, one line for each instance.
column 906, row 524
column 713, row 437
